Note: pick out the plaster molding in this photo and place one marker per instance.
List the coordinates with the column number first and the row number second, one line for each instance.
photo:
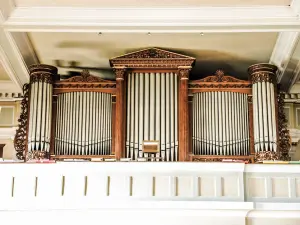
column 197, row 19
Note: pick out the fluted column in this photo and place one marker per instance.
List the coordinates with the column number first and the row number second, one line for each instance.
column 265, row 123
column 183, row 119
column 120, row 111
column 40, row 111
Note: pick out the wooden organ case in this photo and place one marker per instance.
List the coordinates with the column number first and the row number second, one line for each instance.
column 152, row 111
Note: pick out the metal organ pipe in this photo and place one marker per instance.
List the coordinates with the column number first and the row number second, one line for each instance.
column 152, row 114
column 220, row 123
column 264, row 107
column 83, row 124
column 40, row 110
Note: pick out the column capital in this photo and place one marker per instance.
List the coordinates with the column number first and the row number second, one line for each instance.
column 42, row 72
column 183, row 72
column 262, row 72
column 120, row 72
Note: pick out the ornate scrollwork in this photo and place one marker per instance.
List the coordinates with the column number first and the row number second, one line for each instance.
column 263, row 77
column 20, row 140
column 183, row 72
column 265, row 155
column 120, row 73
column 84, row 77
column 36, row 155
column 221, row 77
column 219, row 80
column 152, row 58
column 262, row 72
column 284, row 141
column 152, row 53
column 41, row 77
column 216, row 85
column 219, row 159
column 84, row 86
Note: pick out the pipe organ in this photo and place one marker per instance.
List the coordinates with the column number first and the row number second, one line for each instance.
column 220, row 123
column 83, row 124
column 152, row 111
column 152, row 114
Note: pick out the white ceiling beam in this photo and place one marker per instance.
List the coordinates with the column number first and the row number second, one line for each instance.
column 201, row 19
column 283, row 51
column 282, row 56
column 10, row 55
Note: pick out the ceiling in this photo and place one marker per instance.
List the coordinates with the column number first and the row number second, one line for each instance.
column 3, row 73
column 64, row 33
column 233, row 52
column 147, row 3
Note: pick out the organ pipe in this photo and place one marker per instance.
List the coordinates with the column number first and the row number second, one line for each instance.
column 264, row 107
column 220, row 123
column 40, row 105
column 83, row 124
column 152, row 114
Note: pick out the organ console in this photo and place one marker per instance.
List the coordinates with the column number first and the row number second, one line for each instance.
column 145, row 113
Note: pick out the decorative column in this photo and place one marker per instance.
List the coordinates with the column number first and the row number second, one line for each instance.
column 265, row 122
column 40, row 111
column 183, row 120
column 120, row 111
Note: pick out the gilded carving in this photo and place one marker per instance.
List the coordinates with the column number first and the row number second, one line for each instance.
column 41, row 77
column 120, row 73
column 84, row 77
column 284, row 141
column 265, row 155
column 152, row 58
column 37, row 155
column 20, row 140
column 263, row 77
column 152, row 53
column 184, row 73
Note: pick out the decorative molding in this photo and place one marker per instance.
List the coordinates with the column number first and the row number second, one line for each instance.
column 184, row 19
column 183, row 72
column 20, row 140
column 263, row 72
column 120, row 73
column 284, row 142
column 265, row 155
column 84, row 77
column 84, row 81
column 152, row 58
column 219, row 80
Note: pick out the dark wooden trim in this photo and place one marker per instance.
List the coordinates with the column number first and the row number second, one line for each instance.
column 120, row 114
column 82, row 156
column 113, row 125
column 53, row 125
column 251, row 130
column 237, row 90
column 183, row 114
column 57, row 91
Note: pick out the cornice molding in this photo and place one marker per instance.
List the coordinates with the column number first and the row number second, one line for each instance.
column 196, row 19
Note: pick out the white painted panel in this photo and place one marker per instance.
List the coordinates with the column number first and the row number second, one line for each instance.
column 119, row 186
column 142, row 186
column 185, row 186
column 97, row 185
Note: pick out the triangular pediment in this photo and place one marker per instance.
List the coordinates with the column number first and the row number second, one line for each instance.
column 152, row 58
column 154, row 53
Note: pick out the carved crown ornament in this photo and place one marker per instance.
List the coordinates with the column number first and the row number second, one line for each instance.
column 220, row 80
column 84, row 81
column 152, row 58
